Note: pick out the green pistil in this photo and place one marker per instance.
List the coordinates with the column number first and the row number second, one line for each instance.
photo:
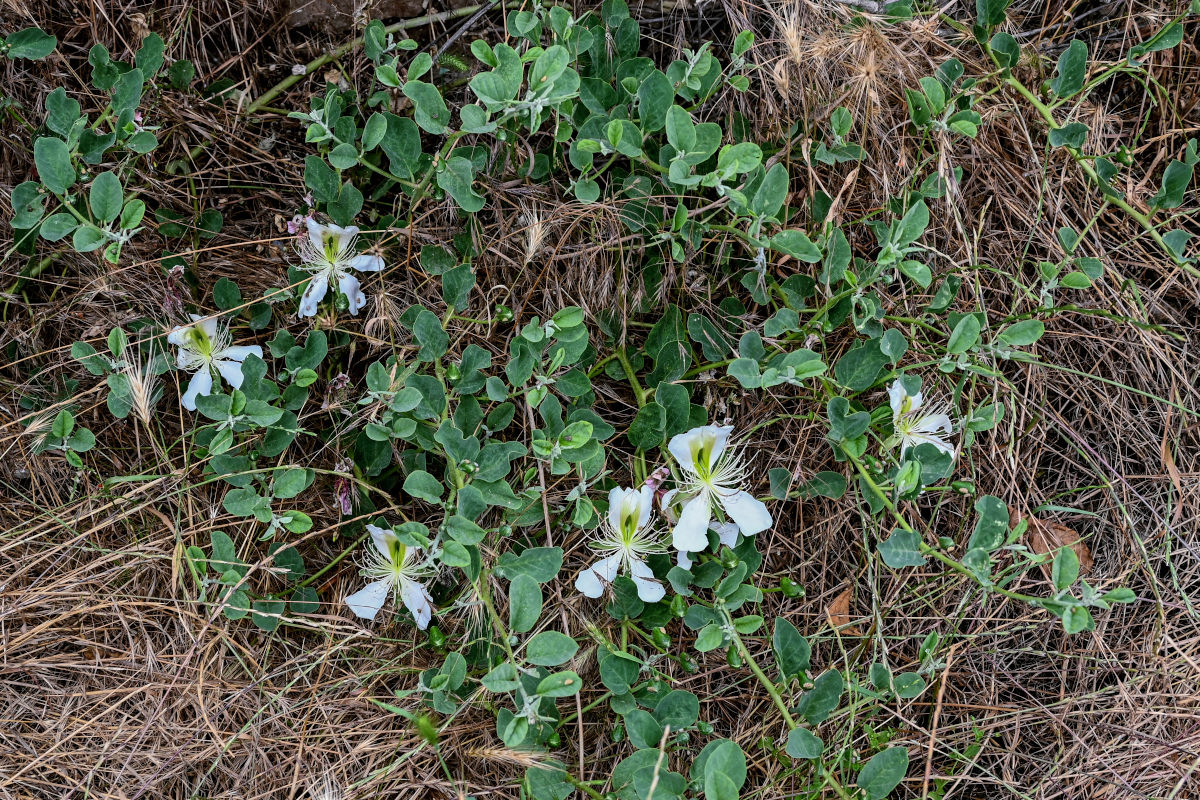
column 331, row 248
column 199, row 341
column 396, row 552
column 700, row 457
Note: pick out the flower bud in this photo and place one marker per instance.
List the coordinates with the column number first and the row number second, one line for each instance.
column 436, row 637
column 790, row 588
column 660, row 637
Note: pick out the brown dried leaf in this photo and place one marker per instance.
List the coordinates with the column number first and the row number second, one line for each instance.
column 839, row 614
column 1046, row 537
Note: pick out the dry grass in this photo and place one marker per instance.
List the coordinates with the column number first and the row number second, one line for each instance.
column 116, row 683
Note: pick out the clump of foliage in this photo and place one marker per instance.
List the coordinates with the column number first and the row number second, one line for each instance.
column 573, row 101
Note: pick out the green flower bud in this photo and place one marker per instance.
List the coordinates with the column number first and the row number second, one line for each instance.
column 790, row 588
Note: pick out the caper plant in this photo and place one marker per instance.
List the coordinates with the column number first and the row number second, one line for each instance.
column 443, row 448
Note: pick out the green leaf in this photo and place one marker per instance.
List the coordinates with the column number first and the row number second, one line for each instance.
column 61, row 111
column 1077, row 619
column 678, row 709
column 290, row 482
column 344, row 156
column 550, row 648
column 560, row 684
column 822, row 699
column 456, row 180
column 56, row 226
column 618, row 671
column 149, row 57
column 226, row 294
column 524, row 603
column 859, row 367
column 792, row 651
column 722, row 758
column 990, row 12
column 1072, row 69
column 433, row 339
column 31, row 43
column 266, row 614
column 464, row 530
column 655, row 95
column 53, row 162
column 429, row 109
column 964, row 336
column 902, row 549
column 422, row 485
column 827, row 483
column 803, row 744
column 1065, row 569
column 502, row 678
column 1176, row 179
column 304, row 600
column 648, row 429
column 1005, row 49
column 181, row 74
column 224, row 554
column 540, row 563
column 883, row 773
column 456, row 555
column 991, row 528
column 912, row 225
column 747, row 373
column 644, row 730
column 288, row 558
column 1022, row 334
column 797, row 245
column 1073, row 134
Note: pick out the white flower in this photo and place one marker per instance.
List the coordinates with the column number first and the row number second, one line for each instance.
column 672, row 505
column 205, row 346
column 628, row 536
column 912, row 428
column 396, row 570
column 712, row 476
column 328, row 253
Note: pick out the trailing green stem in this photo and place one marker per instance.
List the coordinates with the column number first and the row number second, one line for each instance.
column 337, row 53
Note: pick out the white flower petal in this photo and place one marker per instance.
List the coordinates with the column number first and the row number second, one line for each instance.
column 645, row 506
column 933, row 423
column 417, row 600
column 175, row 337
column 316, row 234
column 683, row 445
column 615, row 496
column 648, row 588
column 209, row 326
column 367, row 263
column 591, row 581
column 747, row 511
column 349, row 286
column 691, row 532
column 901, row 401
column 683, row 559
column 314, row 294
column 382, row 537
column 239, row 352
column 231, row 371
column 201, row 384
column 366, row 602
column 727, row 532
column 916, row 439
